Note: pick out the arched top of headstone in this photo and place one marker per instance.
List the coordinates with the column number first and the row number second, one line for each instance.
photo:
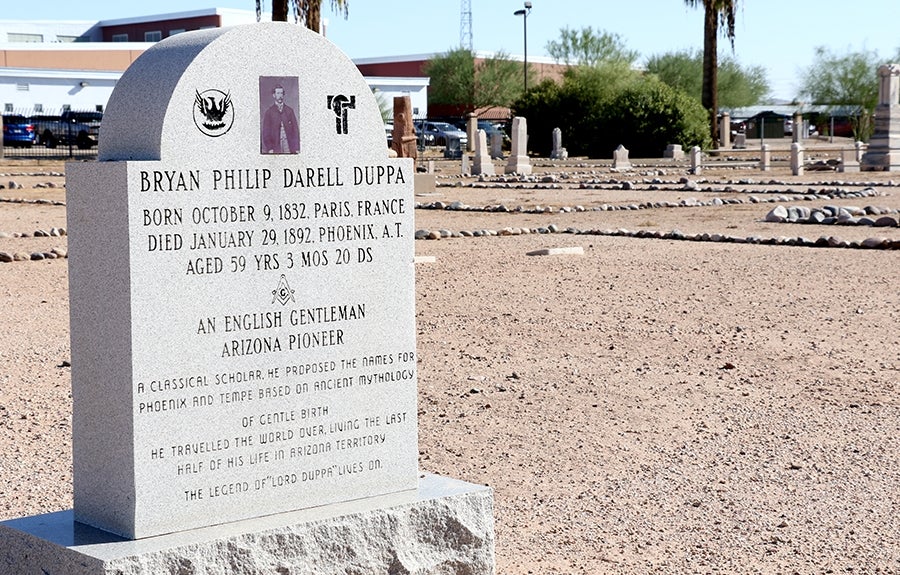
column 208, row 94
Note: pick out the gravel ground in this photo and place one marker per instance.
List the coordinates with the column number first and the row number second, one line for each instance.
column 651, row 406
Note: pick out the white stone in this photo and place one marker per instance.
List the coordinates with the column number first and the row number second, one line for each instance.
column 482, row 163
column 696, row 160
column 564, row 251
column 620, row 159
column 765, row 158
column 518, row 162
column 797, row 161
column 674, row 152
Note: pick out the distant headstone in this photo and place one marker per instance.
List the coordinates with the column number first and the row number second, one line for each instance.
column 696, row 160
column 518, row 162
column 765, row 158
column 403, row 136
column 860, row 148
column 558, row 152
column 740, row 141
column 725, row 131
column 797, row 128
column 464, row 167
column 620, row 159
column 471, row 129
column 674, row 152
column 243, row 328
column 797, row 159
column 849, row 161
column 883, row 153
column 483, row 163
column 496, row 145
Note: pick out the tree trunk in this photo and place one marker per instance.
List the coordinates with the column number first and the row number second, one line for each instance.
column 313, row 15
column 710, row 97
column 279, row 10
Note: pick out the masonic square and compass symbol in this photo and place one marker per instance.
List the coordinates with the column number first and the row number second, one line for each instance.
column 283, row 292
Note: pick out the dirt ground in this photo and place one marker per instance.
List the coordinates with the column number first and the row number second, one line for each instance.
column 650, row 406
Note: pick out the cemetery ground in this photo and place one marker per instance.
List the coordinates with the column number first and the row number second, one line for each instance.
column 653, row 405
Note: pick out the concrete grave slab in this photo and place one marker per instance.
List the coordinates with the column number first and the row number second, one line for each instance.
column 563, row 251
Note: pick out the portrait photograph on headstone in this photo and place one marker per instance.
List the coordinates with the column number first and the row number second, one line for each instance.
column 278, row 102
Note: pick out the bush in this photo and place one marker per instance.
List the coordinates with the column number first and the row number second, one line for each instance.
column 647, row 117
column 599, row 108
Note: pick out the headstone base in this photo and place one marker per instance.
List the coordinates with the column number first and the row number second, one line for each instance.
column 445, row 526
column 518, row 165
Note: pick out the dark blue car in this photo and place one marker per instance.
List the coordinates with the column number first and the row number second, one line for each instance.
column 18, row 131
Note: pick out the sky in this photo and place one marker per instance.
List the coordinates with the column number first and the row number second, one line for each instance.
column 778, row 35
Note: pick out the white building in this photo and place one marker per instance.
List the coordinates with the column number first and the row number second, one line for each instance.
column 50, row 66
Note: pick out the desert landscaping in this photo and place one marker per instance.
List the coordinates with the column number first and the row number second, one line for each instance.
column 702, row 390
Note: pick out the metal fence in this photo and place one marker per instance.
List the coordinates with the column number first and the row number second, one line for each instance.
column 64, row 134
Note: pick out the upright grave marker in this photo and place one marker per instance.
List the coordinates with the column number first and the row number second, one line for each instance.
column 257, row 260
column 884, row 147
column 242, row 297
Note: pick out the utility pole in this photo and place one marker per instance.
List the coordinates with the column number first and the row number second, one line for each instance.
column 465, row 24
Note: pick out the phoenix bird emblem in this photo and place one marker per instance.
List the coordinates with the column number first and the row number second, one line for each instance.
column 214, row 111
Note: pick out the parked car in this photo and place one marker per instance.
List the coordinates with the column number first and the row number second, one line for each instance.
column 440, row 132
column 18, row 131
column 79, row 128
column 490, row 129
column 423, row 138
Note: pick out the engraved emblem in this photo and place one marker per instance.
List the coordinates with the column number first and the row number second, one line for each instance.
column 283, row 293
column 339, row 105
column 213, row 112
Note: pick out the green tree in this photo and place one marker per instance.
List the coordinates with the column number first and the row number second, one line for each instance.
column 497, row 82
column 308, row 11
column 737, row 85
column 452, row 77
column 457, row 80
column 587, row 47
column 715, row 13
column 845, row 80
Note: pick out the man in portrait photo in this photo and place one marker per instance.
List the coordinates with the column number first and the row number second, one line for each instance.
column 279, row 131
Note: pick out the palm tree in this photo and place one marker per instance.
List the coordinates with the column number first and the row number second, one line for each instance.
column 310, row 11
column 715, row 12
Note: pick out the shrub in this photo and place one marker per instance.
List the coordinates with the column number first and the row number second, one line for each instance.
column 598, row 108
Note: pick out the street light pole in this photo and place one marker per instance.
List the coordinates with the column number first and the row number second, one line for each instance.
column 524, row 13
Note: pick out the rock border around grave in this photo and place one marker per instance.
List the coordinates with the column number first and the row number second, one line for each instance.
column 821, row 242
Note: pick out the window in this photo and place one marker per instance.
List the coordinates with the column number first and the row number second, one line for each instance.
column 60, row 38
column 154, row 36
column 19, row 37
column 176, row 31
column 120, row 37
column 8, row 107
column 22, row 87
column 99, row 108
column 39, row 108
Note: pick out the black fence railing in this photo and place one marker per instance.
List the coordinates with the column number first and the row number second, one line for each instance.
column 70, row 134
